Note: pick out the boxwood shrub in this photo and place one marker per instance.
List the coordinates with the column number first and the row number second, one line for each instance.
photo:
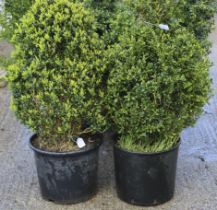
column 56, row 80
column 157, row 84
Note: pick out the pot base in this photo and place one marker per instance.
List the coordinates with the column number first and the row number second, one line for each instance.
column 67, row 178
column 145, row 179
column 68, row 202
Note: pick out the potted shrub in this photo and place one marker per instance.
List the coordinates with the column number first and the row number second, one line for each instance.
column 157, row 86
column 56, row 91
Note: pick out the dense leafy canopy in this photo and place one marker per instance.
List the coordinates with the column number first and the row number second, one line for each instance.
column 195, row 15
column 84, row 65
column 157, row 84
column 56, row 79
column 12, row 12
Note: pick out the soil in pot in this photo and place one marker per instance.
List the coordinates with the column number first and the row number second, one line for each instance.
column 145, row 179
column 67, row 145
column 67, row 177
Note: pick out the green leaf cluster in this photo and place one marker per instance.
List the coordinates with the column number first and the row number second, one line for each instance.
column 14, row 10
column 103, row 10
column 157, row 84
column 11, row 14
column 196, row 15
column 56, row 79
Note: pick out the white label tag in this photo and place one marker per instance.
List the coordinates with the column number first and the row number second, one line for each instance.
column 80, row 142
column 164, row 27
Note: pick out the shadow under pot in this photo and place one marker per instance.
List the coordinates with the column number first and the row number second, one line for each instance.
column 67, row 177
column 145, row 179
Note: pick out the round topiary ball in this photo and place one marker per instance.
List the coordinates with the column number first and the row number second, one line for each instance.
column 56, row 79
column 157, row 85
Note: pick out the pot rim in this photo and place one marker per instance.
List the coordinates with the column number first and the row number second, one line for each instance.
column 149, row 153
column 69, row 153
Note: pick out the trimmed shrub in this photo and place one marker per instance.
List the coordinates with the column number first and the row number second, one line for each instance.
column 157, row 84
column 56, row 79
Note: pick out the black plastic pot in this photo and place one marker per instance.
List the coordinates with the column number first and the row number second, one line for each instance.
column 145, row 179
column 69, row 177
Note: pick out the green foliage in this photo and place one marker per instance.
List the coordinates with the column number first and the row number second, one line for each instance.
column 157, row 84
column 4, row 61
column 56, row 80
column 81, row 65
column 103, row 10
column 196, row 15
column 12, row 12
column 155, row 11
